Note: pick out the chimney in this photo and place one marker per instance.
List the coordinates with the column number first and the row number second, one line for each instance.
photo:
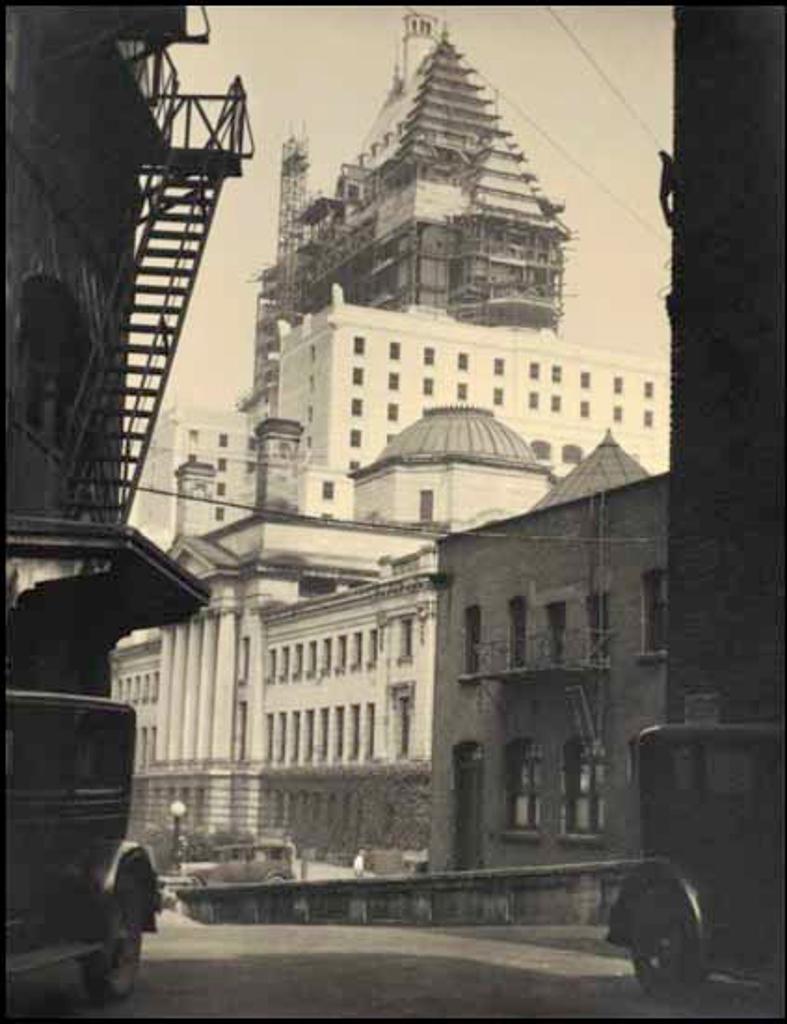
column 278, row 444
column 195, row 480
column 421, row 33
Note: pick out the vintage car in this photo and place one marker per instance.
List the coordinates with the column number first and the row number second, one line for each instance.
column 707, row 895
column 268, row 859
column 75, row 887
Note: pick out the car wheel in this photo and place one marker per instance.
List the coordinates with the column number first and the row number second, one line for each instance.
column 112, row 972
column 665, row 947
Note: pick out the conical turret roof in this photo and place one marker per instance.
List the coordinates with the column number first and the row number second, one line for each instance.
column 608, row 466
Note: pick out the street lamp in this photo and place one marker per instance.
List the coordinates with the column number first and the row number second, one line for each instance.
column 177, row 809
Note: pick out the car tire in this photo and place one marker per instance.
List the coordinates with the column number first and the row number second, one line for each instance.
column 110, row 974
column 665, row 947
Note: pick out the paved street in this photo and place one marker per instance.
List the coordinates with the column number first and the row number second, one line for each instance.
column 260, row 971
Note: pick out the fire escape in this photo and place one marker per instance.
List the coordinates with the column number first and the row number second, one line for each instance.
column 205, row 138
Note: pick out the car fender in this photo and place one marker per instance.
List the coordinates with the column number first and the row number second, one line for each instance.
column 111, row 861
column 662, row 875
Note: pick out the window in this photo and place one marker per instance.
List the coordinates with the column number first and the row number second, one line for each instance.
column 146, row 689
column 223, row 440
column 339, row 740
column 355, row 732
column 648, row 389
column 654, row 610
column 272, row 664
column 154, row 696
column 311, row 383
column 556, row 620
column 269, row 738
column 648, row 418
column 354, row 464
column 313, row 353
column 463, row 361
column 572, row 454
column 245, row 657
column 296, row 737
column 584, row 379
column 555, row 404
column 357, row 661
column 426, row 506
column 341, row 655
column 312, row 669
column 523, row 784
column 297, row 671
column 285, row 664
column 393, row 381
column 324, row 733
column 403, row 715
column 532, row 400
column 498, row 396
column 428, row 357
column 308, row 754
column 369, row 732
column 393, row 413
column 584, row 409
column 193, row 437
column 618, row 385
column 557, row 374
column 406, row 639
column 394, row 350
column 250, row 467
column 355, row 439
column 472, row 638
column 517, row 631
column 153, row 744
column 192, row 457
column 143, row 753
column 282, row 749
column 583, row 782
column 219, row 514
column 461, row 392
column 242, row 727
column 356, row 407
column 327, row 490
column 373, row 636
column 428, row 386
column 542, row 449
column 534, row 371
column 357, row 375
column 500, row 367
column 617, row 414
column 221, row 490
column 327, row 652
column 389, row 438
column 359, row 345
column 222, row 465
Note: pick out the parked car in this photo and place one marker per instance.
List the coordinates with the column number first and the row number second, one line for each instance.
column 169, row 886
column 76, row 888
column 708, row 894
column 269, row 859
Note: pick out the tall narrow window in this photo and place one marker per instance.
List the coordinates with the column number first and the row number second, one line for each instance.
column 296, row 737
column 285, row 664
column 245, row 658
column 583, row 783
column 272, row 665
column 426, row 506
column 357, row 650
column 654, row 607
column 372, row 648
column 327, row 653
column 242, row 730
column 355, row 732
column 369, row 732
column 298, row 667
column 309, row 751
column 556, row 619
column 312, row 669
column 269, row 738
column 517, row 624
column 153, row 744
column 404, row 711
column 341, row 655
column 324, row 732
column 339, row 740
column 406, row 639
column 523, row 784
column 472, row 638
column 282, row 753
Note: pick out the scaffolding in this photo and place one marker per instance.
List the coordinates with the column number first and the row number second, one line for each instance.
column 292, row 201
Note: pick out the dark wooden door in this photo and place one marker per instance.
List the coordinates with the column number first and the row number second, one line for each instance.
column 468, row 779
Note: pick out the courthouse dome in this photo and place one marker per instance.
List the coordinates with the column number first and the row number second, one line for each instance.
column 458, row 432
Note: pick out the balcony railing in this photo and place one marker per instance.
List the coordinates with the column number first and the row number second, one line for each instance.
column 579, row 650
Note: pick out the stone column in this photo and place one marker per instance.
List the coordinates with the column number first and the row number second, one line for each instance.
column 164, row 691
column 174, row 742
column 207, row 686
column 224, row 707
column 255, row 686
column 191, row 692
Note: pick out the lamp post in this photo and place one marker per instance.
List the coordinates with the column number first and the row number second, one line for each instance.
column 177, row 809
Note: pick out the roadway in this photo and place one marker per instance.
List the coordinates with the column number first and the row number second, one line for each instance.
column 324, row 971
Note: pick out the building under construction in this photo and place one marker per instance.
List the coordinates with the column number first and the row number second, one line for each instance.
column 440, row 211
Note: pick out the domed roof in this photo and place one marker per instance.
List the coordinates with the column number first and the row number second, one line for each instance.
column 458, row 432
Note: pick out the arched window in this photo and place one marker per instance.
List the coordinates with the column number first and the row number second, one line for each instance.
column 582, row 784
column 572, row 454
column 53, row 346
column 523, row 784
column 542, row 449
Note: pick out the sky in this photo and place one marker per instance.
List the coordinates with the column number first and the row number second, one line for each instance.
column 329, row 68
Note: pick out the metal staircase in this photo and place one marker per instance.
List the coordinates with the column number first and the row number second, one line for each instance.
column 125, row 377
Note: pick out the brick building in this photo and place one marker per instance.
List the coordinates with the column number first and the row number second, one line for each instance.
column 550, row 658
column 727, row 491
